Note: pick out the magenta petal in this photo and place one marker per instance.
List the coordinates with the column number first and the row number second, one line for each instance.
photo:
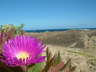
column 23, row 50
column 41, row 59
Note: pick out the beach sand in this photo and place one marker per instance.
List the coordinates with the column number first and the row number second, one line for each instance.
column 78, row 45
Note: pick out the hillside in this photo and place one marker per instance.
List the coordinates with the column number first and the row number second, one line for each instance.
column 79, row 45
column 71, row 38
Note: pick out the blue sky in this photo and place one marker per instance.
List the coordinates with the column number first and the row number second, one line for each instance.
column 45, row 14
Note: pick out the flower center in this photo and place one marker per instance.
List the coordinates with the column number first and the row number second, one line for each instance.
column 22, row 55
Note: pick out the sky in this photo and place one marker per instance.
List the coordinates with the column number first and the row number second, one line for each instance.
column 49, row 14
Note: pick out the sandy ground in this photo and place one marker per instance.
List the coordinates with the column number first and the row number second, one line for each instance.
column 78, row 60
column 73, row 44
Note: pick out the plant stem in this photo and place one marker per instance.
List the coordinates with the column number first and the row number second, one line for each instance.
column 24, row 68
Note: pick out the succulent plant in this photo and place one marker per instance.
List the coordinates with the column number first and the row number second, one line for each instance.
column 19, row 53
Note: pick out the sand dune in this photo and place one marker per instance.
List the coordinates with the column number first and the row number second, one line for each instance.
column 74, row 44
column 71, row 38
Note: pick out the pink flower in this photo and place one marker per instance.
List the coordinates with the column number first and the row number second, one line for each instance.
column 23, row 50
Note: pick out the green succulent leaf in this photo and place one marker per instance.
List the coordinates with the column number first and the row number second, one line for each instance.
column 35, row 68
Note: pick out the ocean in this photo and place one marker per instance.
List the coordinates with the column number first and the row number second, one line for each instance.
column 46, row 30
column 52, row 30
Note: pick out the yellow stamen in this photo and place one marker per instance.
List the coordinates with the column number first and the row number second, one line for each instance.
column 22, row 55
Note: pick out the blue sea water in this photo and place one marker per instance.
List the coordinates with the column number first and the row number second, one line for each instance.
column 52, row 30
column 46, row 30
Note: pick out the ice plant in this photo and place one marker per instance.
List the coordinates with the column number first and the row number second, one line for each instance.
column 23, row 50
